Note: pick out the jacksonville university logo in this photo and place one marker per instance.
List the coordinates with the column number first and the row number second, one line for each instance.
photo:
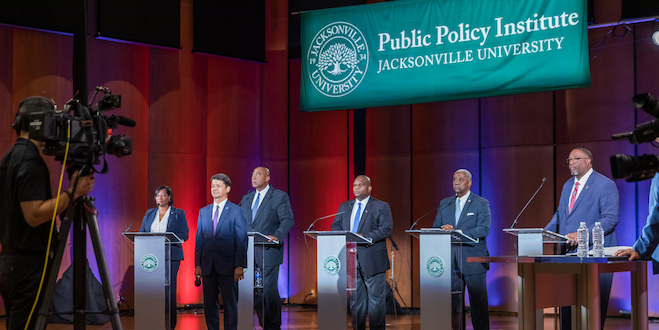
column 338, row 59
column 435, row 266
column 149, row 263
column 332, row 265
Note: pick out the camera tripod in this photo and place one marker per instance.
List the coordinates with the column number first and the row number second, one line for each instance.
column 82, row 213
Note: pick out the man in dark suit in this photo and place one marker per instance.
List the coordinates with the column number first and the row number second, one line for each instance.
column 221, row 253
column 471, row 214
column 588, row 197
column 268, row 211
column 372, row 219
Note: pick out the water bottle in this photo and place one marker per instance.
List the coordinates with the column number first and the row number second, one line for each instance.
column 598, row 240
column 582, row 240
column 258, row 278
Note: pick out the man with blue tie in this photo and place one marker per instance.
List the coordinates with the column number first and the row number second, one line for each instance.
column 221, row 253
column 370, row 218
column 587, row 197
column 471, row 214
column 268, row 212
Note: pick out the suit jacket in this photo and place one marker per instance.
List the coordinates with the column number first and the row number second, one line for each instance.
column 176, row 224
column 475, row 221
column 598, row 201
column 225, row 249
column 274, row 217
column 376, row 223
column 646, row 245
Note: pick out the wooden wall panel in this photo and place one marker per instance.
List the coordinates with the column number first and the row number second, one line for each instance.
column 510, row 176
column 611, row 67
column 7, row 112
column 388, row 164
column 319, row 168
column 522, row 119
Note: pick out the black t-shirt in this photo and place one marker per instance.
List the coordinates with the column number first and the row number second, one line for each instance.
column 23, row 177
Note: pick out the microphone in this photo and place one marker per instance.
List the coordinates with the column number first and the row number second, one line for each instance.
column 325, row 217
column 130, row 226
column 197, row 281
column 393, row 244
column 527, row 203
column 423, row 216
column 121, row 120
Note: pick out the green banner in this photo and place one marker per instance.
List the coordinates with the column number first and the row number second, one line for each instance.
column 417, row 51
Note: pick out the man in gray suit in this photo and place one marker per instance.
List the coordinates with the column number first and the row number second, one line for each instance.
column 268, row 211
column 471, row 214
column 370, row 218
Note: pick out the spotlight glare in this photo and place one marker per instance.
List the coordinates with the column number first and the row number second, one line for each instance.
column 655, row 37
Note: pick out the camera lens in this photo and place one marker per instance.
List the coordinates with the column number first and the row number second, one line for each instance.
column 633, row 168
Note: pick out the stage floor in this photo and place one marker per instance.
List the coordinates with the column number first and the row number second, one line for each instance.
column 306, row 317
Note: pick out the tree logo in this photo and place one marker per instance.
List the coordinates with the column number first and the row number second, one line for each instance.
column 149, row 263
column 338, row 59
column 332, row 265
column 435, row 266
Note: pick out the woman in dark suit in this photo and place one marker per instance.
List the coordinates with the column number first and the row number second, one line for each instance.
column 166, row 218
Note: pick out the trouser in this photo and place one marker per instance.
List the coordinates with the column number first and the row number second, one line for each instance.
column 19, row 282
column 268, row 302
column 213, row 285
column 477, row 286
column 171, row 295
column 369, row 298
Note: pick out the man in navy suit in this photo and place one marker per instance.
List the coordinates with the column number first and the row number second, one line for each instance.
column 268, row 211
column 588, row 197
column 471, row 214
column 372, row 219
column 169, row 219
column 221, row 253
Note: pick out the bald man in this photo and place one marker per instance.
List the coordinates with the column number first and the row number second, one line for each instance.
column 370, row 218
column 268, row 211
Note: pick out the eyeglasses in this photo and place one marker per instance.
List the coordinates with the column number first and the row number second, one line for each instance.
column 569, row 160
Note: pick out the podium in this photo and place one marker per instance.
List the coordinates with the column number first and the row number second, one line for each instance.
column 332, row 275
column 435, row 267
column 246, row 285
column 530, row 240
column 152, row 278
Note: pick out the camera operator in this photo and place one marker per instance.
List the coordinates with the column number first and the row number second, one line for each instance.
column 26, row 209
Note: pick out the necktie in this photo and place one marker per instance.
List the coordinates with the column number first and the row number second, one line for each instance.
column 356, row 222
column 216, row 217
column 458, row 211
column 255, row 207
column 573, row 198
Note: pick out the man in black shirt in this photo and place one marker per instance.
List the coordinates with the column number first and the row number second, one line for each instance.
column 26, row 210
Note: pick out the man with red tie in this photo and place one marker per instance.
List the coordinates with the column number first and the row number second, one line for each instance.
column 221, row 253
column 587, row 197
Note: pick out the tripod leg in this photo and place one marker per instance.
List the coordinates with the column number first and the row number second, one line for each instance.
column 94, row 233
column 51, row 276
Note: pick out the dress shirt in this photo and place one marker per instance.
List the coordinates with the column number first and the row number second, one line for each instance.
column 582, row 183
column 354, row 211
column 160, row 226
column 462, row 200
column 261, row 195
column 221, row 205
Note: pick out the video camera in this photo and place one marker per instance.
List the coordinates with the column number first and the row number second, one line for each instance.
column 91, row 131
column 638, row 168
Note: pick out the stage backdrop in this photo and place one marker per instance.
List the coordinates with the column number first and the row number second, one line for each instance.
column 408, row 52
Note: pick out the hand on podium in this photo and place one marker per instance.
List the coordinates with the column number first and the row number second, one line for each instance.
column 446, row 227
column 273, row 238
